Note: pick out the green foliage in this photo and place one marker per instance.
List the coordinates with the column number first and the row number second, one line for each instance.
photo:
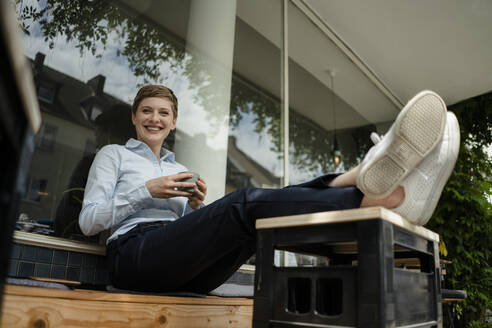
column 463, row 216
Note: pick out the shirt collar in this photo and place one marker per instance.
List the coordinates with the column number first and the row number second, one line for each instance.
column 166, row 155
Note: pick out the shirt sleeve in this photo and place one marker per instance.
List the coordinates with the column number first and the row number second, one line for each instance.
column 102, row 208
column 187, row 209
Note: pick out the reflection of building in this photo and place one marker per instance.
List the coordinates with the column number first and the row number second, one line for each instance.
column 79, row 118
column 243, row 171
column 68, row 134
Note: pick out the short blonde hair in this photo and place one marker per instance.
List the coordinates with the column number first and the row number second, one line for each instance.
column 158, row 91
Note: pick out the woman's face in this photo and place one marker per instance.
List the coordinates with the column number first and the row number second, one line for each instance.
column 153, row 120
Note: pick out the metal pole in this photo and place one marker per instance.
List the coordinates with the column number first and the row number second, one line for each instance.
column 285, row 102
column 285, row 89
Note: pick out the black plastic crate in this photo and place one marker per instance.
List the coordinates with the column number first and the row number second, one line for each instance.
column 361, row 286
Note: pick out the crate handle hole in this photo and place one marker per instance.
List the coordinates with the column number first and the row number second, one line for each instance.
column 299, row 295
column 329, row 296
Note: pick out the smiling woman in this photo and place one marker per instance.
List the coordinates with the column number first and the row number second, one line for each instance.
column 153, row 120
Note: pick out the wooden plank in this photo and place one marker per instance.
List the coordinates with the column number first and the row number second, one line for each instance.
column 59, row 281
column 450, row 300
column 92, row 295
column 352, row 215
column 247, row 268
column 29, row 238
column 43, row 312
column 412, row 262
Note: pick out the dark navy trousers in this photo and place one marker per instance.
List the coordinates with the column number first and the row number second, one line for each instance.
column 201, row 250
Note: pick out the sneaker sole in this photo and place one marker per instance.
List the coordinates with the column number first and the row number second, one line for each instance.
column 442, row 179
column 418, row 129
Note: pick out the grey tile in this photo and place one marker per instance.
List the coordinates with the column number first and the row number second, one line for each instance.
column 87, row 275
column 28, row 253
column 15, row 251
column 12, row 270
column 26, row 269
column 44, row 255
column 100, row 261
column 60, row 257
column 75, row 259
column 73, row 273
column 58, row 271
column 88, row 261
column 101, row 277
column 42, row 270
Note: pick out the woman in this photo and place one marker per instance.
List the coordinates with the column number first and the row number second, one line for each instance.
column 163, row 238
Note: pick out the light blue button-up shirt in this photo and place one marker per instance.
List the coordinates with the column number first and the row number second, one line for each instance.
column 116, row 196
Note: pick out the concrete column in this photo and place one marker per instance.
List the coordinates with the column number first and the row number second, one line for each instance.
column 210, row 44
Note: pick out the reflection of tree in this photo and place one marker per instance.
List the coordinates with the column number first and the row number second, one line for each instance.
column 265, row 109
column 311, row 145
column 148, row 47
column 90, row 23
column 313, row 137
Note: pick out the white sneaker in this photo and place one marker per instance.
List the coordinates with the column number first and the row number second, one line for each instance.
column 424, row 185
column 414, row 134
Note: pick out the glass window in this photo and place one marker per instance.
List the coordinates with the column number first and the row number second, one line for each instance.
column 255, row 138
column 35, row 190
column 46, row 93
column 333, row 105
column 221, row 58
column 46, row 137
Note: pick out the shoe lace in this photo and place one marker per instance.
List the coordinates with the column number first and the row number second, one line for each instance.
column 376, row 138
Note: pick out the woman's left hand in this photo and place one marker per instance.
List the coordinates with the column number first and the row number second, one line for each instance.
column 198, row 196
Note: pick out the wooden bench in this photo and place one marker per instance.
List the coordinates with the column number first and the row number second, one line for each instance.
column 35, row 307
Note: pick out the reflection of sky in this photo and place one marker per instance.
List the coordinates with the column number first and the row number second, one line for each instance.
column 257, row 146
column 122, row 83
column 64, row 57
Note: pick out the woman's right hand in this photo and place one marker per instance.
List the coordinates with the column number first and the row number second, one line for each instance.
column 167, row 187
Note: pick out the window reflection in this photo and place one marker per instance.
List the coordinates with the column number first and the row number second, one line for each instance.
column 36, row 189
column 333, row 105
column 46, row 137
column 89, row 58
column 254, row 149
column 333, row 108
